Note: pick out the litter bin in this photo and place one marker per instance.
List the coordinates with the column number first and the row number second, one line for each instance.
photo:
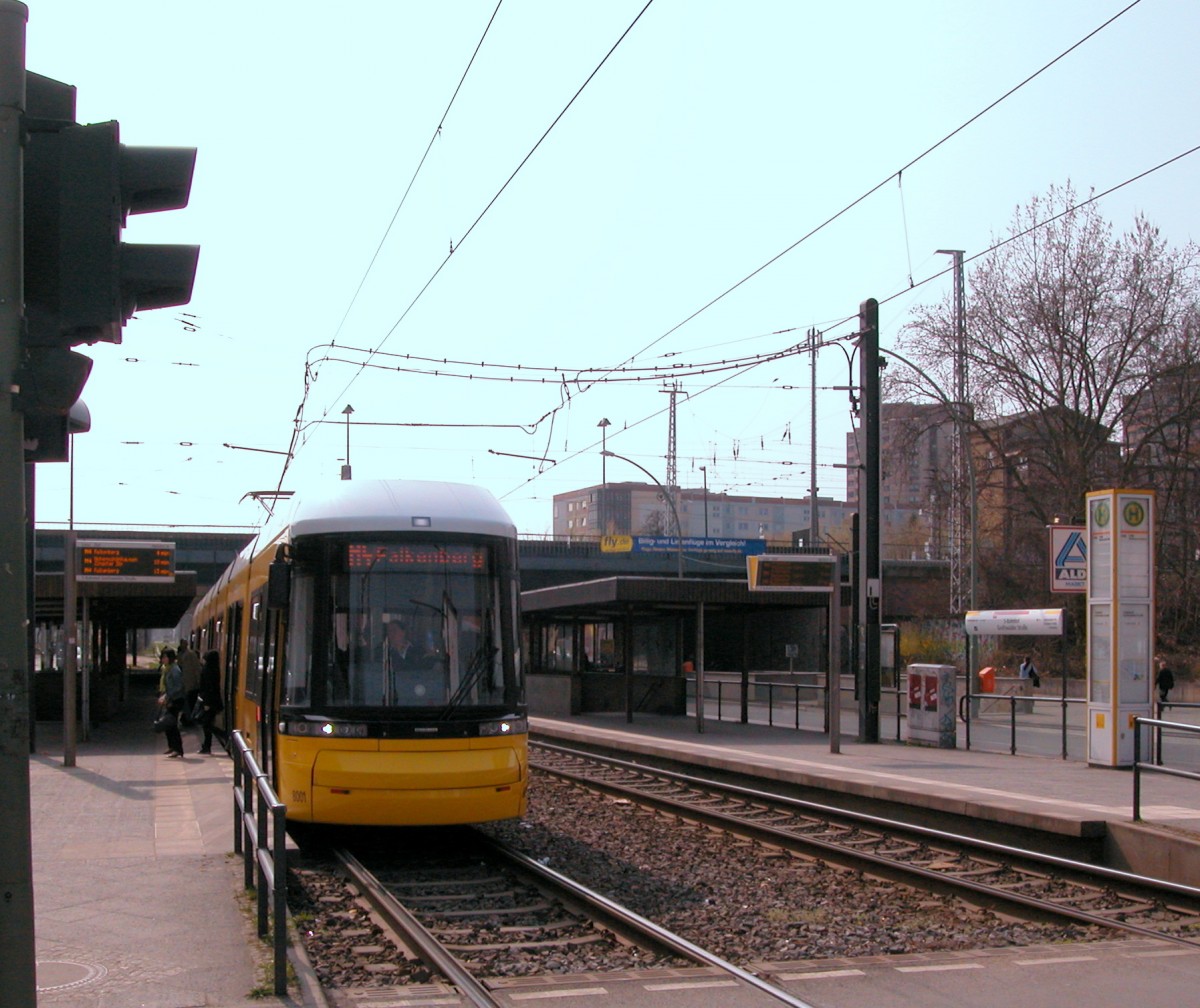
column 987, row 680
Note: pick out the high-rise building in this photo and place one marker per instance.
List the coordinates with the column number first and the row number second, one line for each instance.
column 642, row 509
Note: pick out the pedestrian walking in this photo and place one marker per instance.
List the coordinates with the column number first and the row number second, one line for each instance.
column 1164, row 680
column 210, row 697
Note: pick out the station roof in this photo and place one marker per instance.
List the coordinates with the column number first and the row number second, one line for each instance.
column 134, row 606
column 615, row 596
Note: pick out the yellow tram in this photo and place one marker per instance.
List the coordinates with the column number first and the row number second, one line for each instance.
column 370, row 655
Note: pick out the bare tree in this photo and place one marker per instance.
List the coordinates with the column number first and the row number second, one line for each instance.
column 1069, row 328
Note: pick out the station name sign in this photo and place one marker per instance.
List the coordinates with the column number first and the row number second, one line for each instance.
column 125, row 560
column 1000, row 622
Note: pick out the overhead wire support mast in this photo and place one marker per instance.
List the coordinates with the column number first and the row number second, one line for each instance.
column 870, row 571
column 961, row 528
column 672, row 465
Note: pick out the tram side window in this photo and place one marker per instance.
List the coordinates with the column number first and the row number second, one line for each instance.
column 254, row 649
column 233, row 649
column 297, row 675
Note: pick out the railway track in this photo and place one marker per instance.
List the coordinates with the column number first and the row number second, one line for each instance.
column 466, row 912
column 996, row 875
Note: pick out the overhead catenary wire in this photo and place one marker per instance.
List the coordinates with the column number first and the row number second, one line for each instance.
column 821, row 226
column 416, row 172
column 453, row 246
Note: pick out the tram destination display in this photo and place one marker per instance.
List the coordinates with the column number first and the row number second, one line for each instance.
column 125, row 560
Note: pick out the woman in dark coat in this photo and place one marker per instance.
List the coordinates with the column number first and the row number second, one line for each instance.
column 210, row 695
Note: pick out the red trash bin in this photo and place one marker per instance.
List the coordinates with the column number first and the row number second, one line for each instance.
column 987, row 680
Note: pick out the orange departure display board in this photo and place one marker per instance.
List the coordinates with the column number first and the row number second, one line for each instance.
column 791, row 572
column 128, row 560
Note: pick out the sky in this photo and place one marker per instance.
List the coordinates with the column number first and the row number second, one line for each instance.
column 485, row 228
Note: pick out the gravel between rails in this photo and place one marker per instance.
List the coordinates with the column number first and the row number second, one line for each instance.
column 742, row 901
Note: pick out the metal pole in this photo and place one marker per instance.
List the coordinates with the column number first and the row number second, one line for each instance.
column 70, row 641
column 834, row 698
column 871, row 585
column 700, row 670
column 18, row 975
column 814, row 522
column 670, row 502
column 1137, row 769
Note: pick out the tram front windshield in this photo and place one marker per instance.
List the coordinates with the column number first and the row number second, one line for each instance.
column 403, row 625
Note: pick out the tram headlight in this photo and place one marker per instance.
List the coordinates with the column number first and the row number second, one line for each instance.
column 504, row 726
column 324, row 729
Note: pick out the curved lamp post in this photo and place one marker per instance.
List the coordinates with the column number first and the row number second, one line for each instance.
column 667, row 497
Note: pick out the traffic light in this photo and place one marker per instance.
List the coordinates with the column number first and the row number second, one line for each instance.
column 82, row 283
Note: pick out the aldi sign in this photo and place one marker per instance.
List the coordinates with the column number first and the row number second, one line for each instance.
column 1068, row 560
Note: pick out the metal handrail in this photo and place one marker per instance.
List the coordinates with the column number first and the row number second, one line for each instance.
column 262, row 847
column 966, row 702
column 964, row 709
column 1138, row 766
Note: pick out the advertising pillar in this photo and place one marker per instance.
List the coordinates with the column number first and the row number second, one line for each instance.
column 1121, row 620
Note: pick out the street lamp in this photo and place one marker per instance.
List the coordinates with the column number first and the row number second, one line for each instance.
column 604, row 425
column 667, row 497
column 704, row 469
column 346, row 468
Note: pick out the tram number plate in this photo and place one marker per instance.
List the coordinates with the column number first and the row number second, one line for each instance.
column 299, row 797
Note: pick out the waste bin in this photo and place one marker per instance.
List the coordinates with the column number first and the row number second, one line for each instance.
column 987, row 680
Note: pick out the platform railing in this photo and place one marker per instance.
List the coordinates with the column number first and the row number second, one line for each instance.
column 1156, row 726
column 260, row 836
column 1019, row 722
column 1017, row 703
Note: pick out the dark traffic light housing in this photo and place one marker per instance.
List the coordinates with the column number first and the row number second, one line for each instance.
column 81, row 282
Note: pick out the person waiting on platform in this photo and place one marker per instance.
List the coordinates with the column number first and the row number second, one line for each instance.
column 171, row 700
column 1029, row 673
column 189, row 663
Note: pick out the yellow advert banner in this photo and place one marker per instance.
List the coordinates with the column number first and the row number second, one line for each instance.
column 616, row 544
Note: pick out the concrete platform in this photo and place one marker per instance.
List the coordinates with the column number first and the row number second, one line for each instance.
column 138, row 897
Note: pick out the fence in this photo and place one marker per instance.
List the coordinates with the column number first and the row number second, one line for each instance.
column 1156, row 726
column 260, row 836
column 1007, row 721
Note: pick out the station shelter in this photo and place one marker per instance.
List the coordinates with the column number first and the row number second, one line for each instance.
column 639, row 643
column 109, row 615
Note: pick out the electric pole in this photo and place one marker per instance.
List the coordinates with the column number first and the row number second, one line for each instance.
column 870, row 582
column 814, row 522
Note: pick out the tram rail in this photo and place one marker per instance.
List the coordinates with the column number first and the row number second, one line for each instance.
column 1024, row 880
column 443, row 939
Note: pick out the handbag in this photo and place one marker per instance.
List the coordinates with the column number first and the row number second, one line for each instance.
column 199, row 710
column 165, row 720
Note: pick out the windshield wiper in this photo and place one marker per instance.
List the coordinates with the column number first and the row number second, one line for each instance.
column 480, row 662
